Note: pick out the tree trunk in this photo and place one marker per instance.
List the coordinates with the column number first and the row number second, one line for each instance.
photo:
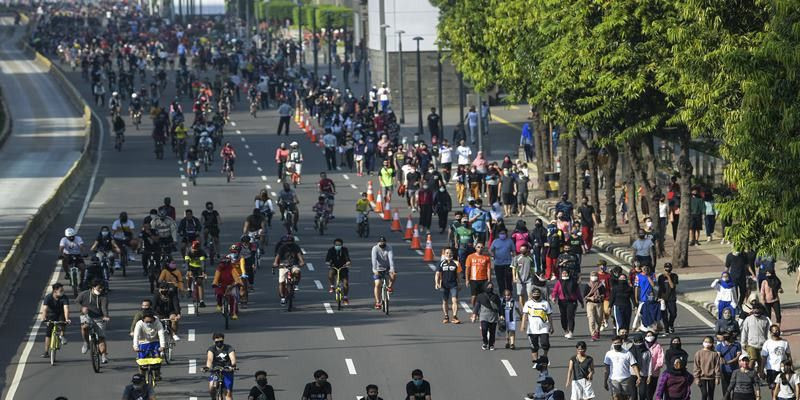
column 541, row 151
column 680, row 253
column 563, row 158
column 610, row 173
column 574, row 176
column 594, row 181
column 631, row 148
column 639, row 171
column 649, row 157
column 547, row 127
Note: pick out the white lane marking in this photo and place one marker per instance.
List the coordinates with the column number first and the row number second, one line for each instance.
column 268, row 186
column 179, row 162
column 192, row 398
column 697, row 314
column 432, row 267
column 247, row 146
column 259, row 169
column 353, row 186
column 192, row 367
column 263, row 178
column 273, row 194
column 296, row 238
column 180, row 168
column 509, row 368
column 250, row 153
column 351, row 368
column 185, row 192
column 318, row 283
column 345, row 177
column 243, row 139
column 328, row 308
column 183, row 184
column 238, row 132
column 186, row 202
column 303, row 250
column 191, row 335
column 191, row 309
column 255, row 162
column 310, row 267
column 466, row 307
column 183, row 176
column 420, row 252
column 338, row 332
column 233, row 123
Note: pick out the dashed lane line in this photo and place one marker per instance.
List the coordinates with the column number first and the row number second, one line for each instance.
column 338, row 332
column 255, row 162
column 183, row 184
column 351, row 368
column 347, row 178
column 259, row 169
column 233, row 123
column 318, row 284
column 191, row 309
column 509, row 368
column 264, row 178
column 273, row 194
column 354, row 186
column 250, row 153
column 192, row 367
column 432, row 267
column 420, row 252
column 328, row 308
column 185, row 192
column 247, row 146
column 191, row 336
column 238, row 132
column 310, row 267
column 466, row 307
column 186, row 202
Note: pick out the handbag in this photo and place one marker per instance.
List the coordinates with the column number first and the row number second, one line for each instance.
column 401, row 190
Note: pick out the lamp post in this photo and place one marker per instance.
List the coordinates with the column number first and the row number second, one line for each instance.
column 315, row 44
column 439, row 87
column 402, row 77
column 300, row 30
column 419, row 86
column 385, row 53
column 331, row 47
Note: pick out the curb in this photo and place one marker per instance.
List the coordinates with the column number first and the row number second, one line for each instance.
column 7, row 123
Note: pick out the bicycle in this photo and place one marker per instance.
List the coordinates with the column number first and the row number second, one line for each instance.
column 94, row 344
column 119, row 140
column 290, row 286
column 159, row 149
column 321, row 222
column 194, row 166
column 253, row 107
column 149, row 367
column 226, row 305
column 385, row 293
column 338, row 291
column 55, row 338
column 289, row 220
column 219, row 389
column 195, row 283
column 74, row 273
column 363, row 226
column 226, row 169
column 169, row 347
column 136, row 117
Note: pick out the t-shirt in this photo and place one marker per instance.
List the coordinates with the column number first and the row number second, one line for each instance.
column 665, row 292
column 478, row 267
column 503, row 251
column 645, row 288
column 464, row 235
column 72, row 247
column 221, row 357
column 642, row 247
column 288, row 252
column 54, row 309
column 619, row 363
column 450, row 271
column 131, row 393
column 508, row 184
column 258, row 393
column 580, row 369
column 211, row 218
column 313, row 391
column 464, row 153
column 121, row 229
column 775, row 351
column 479, row 224
column 522, row 264
column 787, row 391
column 414, row 392
column 254, row 222
column 586, row 215
column 538, row 313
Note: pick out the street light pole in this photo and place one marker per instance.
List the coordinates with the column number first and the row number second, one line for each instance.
column 385, row 53
column 329, row 32
column 315, row 44
column 300, row 30
column 419, row 87
column 439, row 87
column 402, row 77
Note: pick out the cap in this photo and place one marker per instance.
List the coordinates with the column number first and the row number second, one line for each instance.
column 137, row 378
column 744, row 357
column 382, row 239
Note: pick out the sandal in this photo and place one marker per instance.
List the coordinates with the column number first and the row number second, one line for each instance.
column 456, row 321
column 446, row 320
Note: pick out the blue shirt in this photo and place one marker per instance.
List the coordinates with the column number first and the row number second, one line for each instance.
column 728, row 352
column 645, row 288
column 502, row 250
column 479, row 225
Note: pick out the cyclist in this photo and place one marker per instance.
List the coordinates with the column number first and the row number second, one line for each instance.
column 167, row 206
column 227, row 274
column 256, row 225
column 287, row 200
column 382, row 262
column 166, row 305
column 55, row 308
column 363, row 207
column 71, row 247
column 114, row 105
column 180, row 140
column 211, row 221
column 105, row 244
column 319, row 389
column 224, row 356
column 122, row 230
column 192, row 157
column 247, row 260
column 289, row 253
column 136, row 105
column 327, row 188
column 149, row 245
column 188, row 229
column 138, row 390
column 94, row 310
column 262, row 390
column 338, row 257
column 228, row 156
column 166, row 230
column 264, row 204
column 205, row 144
column 195, row 259
column 296, row 158
column 148, row 338
column 281, row 155
column 119, row 127
column 172, row 276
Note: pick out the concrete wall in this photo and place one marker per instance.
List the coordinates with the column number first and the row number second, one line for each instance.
column 429, row 79
column 415, row 17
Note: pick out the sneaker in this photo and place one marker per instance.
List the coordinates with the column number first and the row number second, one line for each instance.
column 330, row 289
column 346, row 302
column 46, row 354
column 296, row 288
column 568, row 335
column 85, row 348
column 131, row 257
column 176, row 338
column 508, row 345
column 283, row 300
column 219, row 308
column 104, row 359
column 484, row 347
column 513, row 347
column 202, row 304
column 63, row 340
column 117, row 266
column 234, row 317
column 491, row 348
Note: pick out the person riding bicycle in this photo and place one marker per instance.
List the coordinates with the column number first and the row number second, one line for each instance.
column 221, row 355
column 136, row 104
column 195, row 260
column 256, row 225
column 281, row 156
column 71, row 247
column 363, row 207
column 205, row 144
column 55, row 308
column 138, row 390
column 166, row 230
column 287, row 200
column 149, row 245
column 338, row 257
column 105, row 244
column 211, row 220
column 252, row 94
column 119, row 126
column 122, row 231
column 382, row 262
column 166, row 303
column 228, row 156
column 94, row 311
column 264, row 204
column 327, row 188
column 226, row 275
column 288, row 254
column 321, row 209
column 114, row 104
column 189, row 229
column 149, row 339
column 296, row 159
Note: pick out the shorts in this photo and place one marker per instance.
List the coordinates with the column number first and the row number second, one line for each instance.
column 359, row 157
column 411, row 193
column 100, row 325
column 477, row 287
column 298, row 168
column 508, row 198
column 582, row 389
column 539, row 340
column 196, row 271
column 282, row 273
column 753, row 352
column 695, row 222
column 388, row 188
column 148, row 349
column 522, row 199
column 213, row 230
column 624, row 387
column 380, row 274
column 524, row 287
column 449, row 293
column 227, row 380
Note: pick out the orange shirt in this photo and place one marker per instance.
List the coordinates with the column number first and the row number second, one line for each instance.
column 479, row 267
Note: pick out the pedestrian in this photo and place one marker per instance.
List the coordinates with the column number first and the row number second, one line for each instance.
column 675, row 383
column 668, row 293
column 622, row 372
column 526, row 141
column 770, row 294
column 726, row 325
column 737, row 267
column 442, row 205
column 644, row 360
column 418, row 388
column 319, row 389
column 461, row 185
column 787, row 384
column 696, row 210
column 656, row 359
column 594, row 295
column 523, row 272
column 285, row 113
column 744, row 384
column 262, row 390
column 425, row 203
column 663, row 217
column 726, row 294
column 707, row 373
column 605, row 277
column 502, row 251
column 649, row 309
column 478, row 272
column 522, row 180
column 329, row 140
column 588, row 219
column 511, row 314
column 580, row 371
column 644, row 249
column 472, row 123
column 710, row 213
column 675, row 351
column 508, row 190
column 537, row 311
column 446, row 159
column 99, row 92
column 567, row 294
column 763, row 263
column 386, row 177
column 464, row 241
column 479, row 221
column 729, row 351
column 622, row 300
column 653, row 235
column 521, row 236
column 552, row 249
column 487, row 310
column 755, row 332
column 774, row 352
column 433, row 125
column 486, row 116
column 446, row 280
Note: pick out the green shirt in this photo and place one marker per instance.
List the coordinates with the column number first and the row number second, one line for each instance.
column 697, row 206
column 387, row 176
column 464, row 235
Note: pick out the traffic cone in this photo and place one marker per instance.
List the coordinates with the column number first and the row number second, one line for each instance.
column 313, row 136
column 396, row 222
column 379, row 204
column 297, row 115
column 409, row 229
column 312, row 132
column 370, row 195
column 308, row 127
column 302, row 123
column 387, row 213
column 428, row 250
column 415, row 240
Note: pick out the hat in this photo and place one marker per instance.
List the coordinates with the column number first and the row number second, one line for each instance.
column 546, row 379
column 744, row 357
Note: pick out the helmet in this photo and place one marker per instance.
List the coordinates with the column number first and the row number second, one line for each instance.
column 133, row 96
column 69, row 232
column 137, row 379
column 293, row 144
column 234, row 248
column 232, row 256
column 114, row 94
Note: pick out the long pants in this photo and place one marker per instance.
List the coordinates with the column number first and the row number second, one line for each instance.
column 492, row 189
column 504, row 278
column 473, row 133
column 538, row 260
column 567, row 310
column 264, row 100
column 233, row 298
column 675, row 220
column 281, row 170
column 474, row 189
column 330, row 158
column 662, row 231
column 587, row 233
column 707, row 389
column 461, row 192
column 528, row 152
column 442, row 220
column 776, row 306
column 725, row 381
column 651, row 387
column 488, row 331
column 711, row 221
column 643, row 391
column 463, row 252
column 425, row 215
column 594, row 312
column 622, row 316
column 551, row 267
column 669, row 315
column 284, row 122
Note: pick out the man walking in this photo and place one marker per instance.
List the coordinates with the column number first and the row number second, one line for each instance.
column 285, row 113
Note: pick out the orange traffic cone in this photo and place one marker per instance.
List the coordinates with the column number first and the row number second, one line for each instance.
column 297, row 115
column 415, row 240
column 301, row 123
column 378, row 204
column 313, row 136
column 428, row 250
column 311, row 132
column 387, row 213
column 409, row 229
column 370, row 195
column 396, row 222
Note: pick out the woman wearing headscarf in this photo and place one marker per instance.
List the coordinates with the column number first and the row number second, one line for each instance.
column 770, row 289
column 622, row 297
column 675, row 352
column 726, row 293
column 538, row 237
column 675, row 383
column 521, row 235
column 568, row 295
column 594, row 294
column 481, row 167
column 726, row 325
column 507, row 163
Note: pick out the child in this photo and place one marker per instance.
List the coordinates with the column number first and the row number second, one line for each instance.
column 511, row 313
column 726, row 294
column 261, row 391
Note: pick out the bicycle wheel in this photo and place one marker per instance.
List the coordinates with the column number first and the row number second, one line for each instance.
column 73, row 278
column 95, row 356
column 290, row 299
column 169, row 350
column 124, row 261
column 54, row 345
column 338, row 298
column 385, row 300
column 225, row 310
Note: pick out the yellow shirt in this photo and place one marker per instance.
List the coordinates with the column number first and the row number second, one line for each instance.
column 362, row 205
column 180, row 132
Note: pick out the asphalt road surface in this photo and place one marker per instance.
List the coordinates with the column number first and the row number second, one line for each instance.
column 356, row 346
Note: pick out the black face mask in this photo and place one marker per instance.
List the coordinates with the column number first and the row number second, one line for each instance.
column 382, row 245
column 617, row 347
column 219, row 343
column 261, row 382
column 676, row 346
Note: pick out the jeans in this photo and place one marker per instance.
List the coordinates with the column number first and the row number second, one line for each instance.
column 504, row 278
column 488, row 331
column 473, row 133
column 707, row 389
column 567, row 310
column 284, row 122
column 711, row 220
column 330, row 157
column 669, row 315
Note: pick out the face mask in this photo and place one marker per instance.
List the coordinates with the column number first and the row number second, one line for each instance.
column 536, row 297
column 372, row 397
column 417, row 382
column 776, row 333
column 724, row 278
column 707, row 345
column 97, row 291
column 650, row 339
column 261, row 382
column 104, row 233
column 337, row 247
column 382, row 245
column 148, row 325
column 593, row 278
column 676, row 346
column 617, row 347
column 502, row 236
column 563, row 278
column 219, row 343
column 441, row 189
column 138, row 387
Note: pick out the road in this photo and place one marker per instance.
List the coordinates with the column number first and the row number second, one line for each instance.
column 46, row 139
column 356, row 346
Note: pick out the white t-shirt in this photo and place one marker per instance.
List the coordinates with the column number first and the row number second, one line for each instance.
column 119, row 228
column 71, row 247
column 663, row 210
column 775, row 351
column 383, row 94
column 787, row 391
column 619, row 363
column 538, row 313
column 445, row 154
column 464, row 154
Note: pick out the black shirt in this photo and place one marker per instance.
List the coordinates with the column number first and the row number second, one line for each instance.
column 508, row 184
column 288, row 253
column 221, row 357
column 449, row 270
column 586, row 215
column 736, row 265
column 211, row 218
column 317, row 392
column 412, row 180
column 667, row 293
column 337, row 258
column 54, row 309
column 414, row 392
column 254, row 222
column 258, row 393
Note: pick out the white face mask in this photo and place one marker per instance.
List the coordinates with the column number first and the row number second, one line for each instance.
column 649, row 224
column 593, row 278
column 707, row 345
column 650, row 339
